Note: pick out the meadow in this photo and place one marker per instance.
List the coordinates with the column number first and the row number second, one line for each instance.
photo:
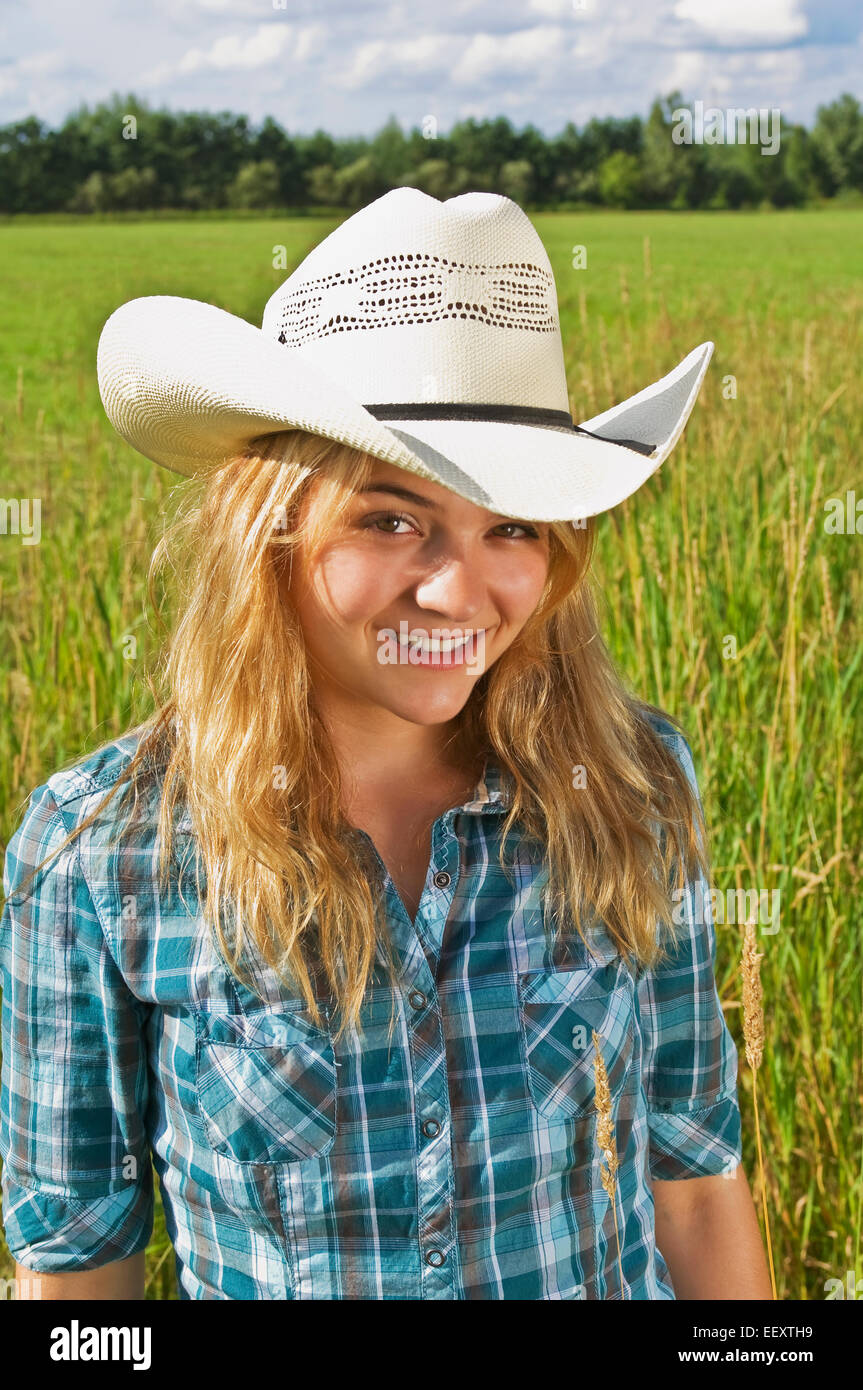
column 727, row 600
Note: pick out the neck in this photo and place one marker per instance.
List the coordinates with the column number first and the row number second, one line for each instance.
column 381, row 756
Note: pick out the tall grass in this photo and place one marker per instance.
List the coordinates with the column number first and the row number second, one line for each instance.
column 727, row 601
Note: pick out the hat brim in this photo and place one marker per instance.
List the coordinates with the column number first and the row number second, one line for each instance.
column 189, row 385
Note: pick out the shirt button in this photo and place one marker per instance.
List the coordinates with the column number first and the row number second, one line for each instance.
column 435, row 1257
column 431, row 1128
column 417, row 998
column 442, row 880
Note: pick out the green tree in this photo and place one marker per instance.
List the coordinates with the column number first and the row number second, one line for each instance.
column 133, row 188
column 799, row 164
column 359, row 183
column 837, row 140
column 98, row 159
column 663, row 164
column 273, row 143
column 24, row 160
column 781, row 189
column 321, row 185
column 737, row 183
column 91, row 196
column 620, row 180
column 255, row 186
column 516, row 179
column 600, row 138
column 482, row 147
column 389, row 154
column 433, row 176
column 540, row 153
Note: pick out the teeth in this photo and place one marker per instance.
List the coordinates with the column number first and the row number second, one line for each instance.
column 440, row 645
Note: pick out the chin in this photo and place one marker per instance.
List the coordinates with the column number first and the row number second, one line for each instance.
column 428, row 708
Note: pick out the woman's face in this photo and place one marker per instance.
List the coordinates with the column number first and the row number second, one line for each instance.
column 415, row 563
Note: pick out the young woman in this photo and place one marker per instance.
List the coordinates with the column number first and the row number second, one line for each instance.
column 382, row 938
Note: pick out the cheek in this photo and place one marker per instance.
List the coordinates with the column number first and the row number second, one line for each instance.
column 521, row 585
column 346, row 588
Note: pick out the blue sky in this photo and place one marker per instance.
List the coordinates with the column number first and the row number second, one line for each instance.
column 347, row 65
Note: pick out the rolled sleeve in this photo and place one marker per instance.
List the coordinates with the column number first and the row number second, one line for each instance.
column 690, row 1058
column 77, row 1176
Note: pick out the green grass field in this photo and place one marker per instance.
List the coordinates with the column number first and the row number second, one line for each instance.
column 726, row 541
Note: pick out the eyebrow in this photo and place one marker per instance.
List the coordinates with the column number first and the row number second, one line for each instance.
column 405, row 493
column 395, row 490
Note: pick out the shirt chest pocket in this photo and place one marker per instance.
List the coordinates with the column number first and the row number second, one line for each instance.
column 558, row 1013
column 265, row 1085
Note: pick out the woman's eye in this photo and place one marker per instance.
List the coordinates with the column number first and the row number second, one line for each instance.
column 376, row 521
column 384, row 518
column 528, row 530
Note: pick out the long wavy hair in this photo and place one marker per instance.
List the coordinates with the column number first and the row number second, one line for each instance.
column 237, row 742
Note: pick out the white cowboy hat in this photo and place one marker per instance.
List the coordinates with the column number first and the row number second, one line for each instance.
column 425, row 333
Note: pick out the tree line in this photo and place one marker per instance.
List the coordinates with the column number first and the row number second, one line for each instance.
column 125, row 155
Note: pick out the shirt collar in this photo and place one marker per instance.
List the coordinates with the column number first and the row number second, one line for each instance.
column 493, row 791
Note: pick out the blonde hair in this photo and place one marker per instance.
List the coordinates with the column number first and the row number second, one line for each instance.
column 241, row 746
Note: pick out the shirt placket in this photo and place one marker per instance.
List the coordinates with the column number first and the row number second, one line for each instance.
column 418, row 947
column 435, row 1178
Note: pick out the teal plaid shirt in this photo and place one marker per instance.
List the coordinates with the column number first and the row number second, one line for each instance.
column 458, row 1161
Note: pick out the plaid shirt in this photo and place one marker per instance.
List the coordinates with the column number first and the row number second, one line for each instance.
column 458, row 1161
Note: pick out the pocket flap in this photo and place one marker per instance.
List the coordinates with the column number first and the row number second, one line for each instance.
column 565, row 986
column 558, row 1013
column 266, row 1029
column 265, row 1085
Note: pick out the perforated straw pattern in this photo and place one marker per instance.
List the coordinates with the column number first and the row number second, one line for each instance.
column 418, row 287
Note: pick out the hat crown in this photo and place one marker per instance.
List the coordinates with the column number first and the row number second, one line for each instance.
column 414, row 299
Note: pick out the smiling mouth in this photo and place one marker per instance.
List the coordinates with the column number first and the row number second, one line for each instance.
column 437, row 647
column 455, row 646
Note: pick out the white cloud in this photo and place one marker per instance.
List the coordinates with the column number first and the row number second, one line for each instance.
column 40, row 64
column 345, row 65
column 484, row 57
column 688, row 71
column 233, row 52
column 15, row 79
column 560, row 9
column 32, row 65
column 232, row 9
column 525, row 51
column 261, row 48
column 739, row 21
column 766, row 79
column 552, row 9
column 379, row 59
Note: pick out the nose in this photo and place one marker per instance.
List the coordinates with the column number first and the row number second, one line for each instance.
column 455, row 590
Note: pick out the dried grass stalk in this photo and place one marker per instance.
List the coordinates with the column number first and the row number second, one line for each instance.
column 753, row 1011
column 753, row 1035
column 605, row 1139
